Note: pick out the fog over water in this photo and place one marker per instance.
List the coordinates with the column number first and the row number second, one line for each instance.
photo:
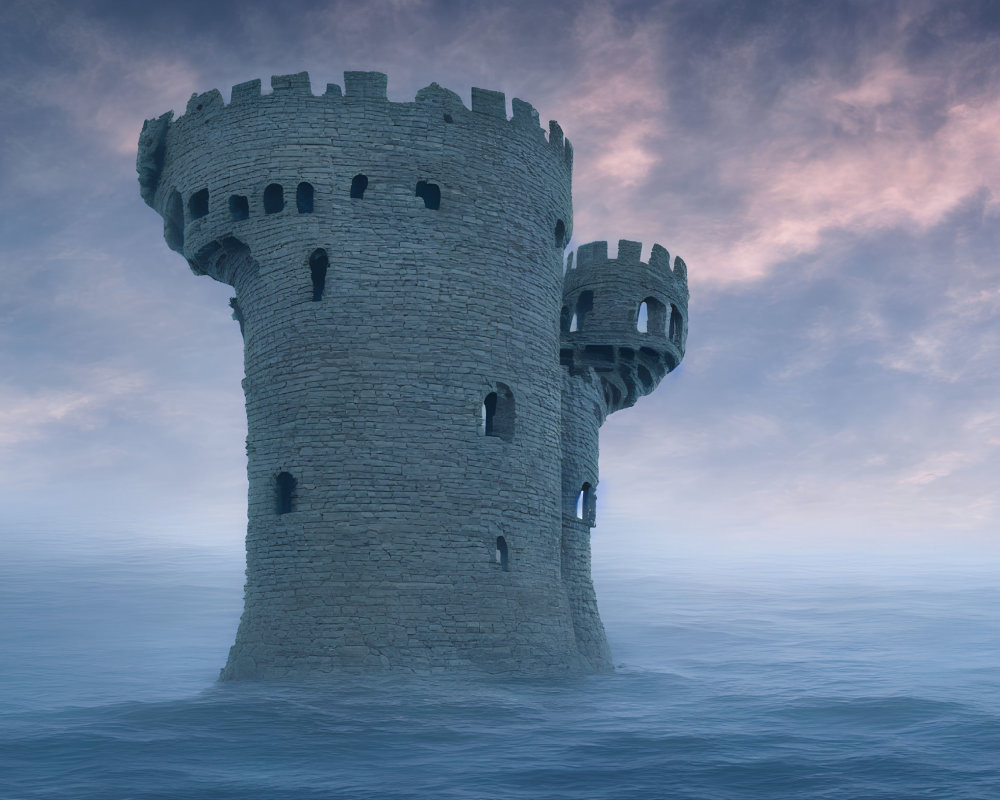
column 738, row 676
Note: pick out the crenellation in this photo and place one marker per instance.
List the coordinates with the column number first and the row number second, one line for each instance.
column 399, row 271
column 659, row 259
column 524, row 115
column 298, row 83
column 202, row 105
column 490, row 103
column 371, row 86
column 556, row 139
column 629, row 253
column 591, row 254
column 246, row 92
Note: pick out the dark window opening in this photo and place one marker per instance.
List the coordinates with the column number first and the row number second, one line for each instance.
column 274, row 199
column 645, row 378
column 239, row 207
column 676, row 325
column 304, row 198
column 560, row 234
column 651, row 317
column 198, row 204
column 564, row 319
column 447, row 118
column 431, row 193
column 318, row 263
column 584, row 305
column 286, row 492
column 503, row 554
column 604, row 353
column 358, row 185
column 498, row 413
column 173, row 222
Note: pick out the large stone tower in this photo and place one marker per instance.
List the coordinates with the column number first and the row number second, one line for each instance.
column 424, row 387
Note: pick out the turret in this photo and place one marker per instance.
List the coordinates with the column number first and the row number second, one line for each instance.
column 623, row 326
column 624, row 318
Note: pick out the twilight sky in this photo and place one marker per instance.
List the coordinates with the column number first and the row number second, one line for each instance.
column 828, row 171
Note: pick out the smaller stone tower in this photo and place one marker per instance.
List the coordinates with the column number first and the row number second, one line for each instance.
column 623, row 327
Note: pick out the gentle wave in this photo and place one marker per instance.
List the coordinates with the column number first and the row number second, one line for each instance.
column 835, row 686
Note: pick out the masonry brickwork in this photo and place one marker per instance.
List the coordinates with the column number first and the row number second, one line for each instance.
column 425, row 377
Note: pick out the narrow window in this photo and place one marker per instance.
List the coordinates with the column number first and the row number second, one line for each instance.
column 655, row 314
column 198, row 204
column 498, row 413
column 318, row 264
column 503, row 554
column 676, row 325
column 173, row 222
column 358, row 185
column 584, row 305
column 642, row 319
column 564, row 319
column 304, row 198
column 582, row 500
column 489, row 412
column 431, row 193
column 274, row 199
column 239, row 207
column 560, row 234
column 574, row 324
column 286, row 491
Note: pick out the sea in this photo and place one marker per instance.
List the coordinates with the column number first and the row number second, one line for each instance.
column 737, row 677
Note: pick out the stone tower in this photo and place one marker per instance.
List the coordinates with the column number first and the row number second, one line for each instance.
column 424, row 386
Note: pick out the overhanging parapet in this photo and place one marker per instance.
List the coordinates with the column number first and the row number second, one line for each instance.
column 624, row 318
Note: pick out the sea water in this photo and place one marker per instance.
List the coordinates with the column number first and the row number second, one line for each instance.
column 737, row 678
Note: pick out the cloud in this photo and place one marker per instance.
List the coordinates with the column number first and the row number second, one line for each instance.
column 104, row 82
column 879, row 173
column 46, row 413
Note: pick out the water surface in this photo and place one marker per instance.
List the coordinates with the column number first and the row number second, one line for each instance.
column 751, row 678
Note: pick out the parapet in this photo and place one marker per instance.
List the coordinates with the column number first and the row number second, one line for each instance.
column 251, row 114
column 624, row 318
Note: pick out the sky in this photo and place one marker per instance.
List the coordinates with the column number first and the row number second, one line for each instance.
column 828, row 171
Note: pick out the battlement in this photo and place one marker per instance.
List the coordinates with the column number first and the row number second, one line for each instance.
column 624, row 318
column 336, row 115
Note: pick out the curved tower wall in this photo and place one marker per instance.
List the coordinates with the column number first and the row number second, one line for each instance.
column 371, row 397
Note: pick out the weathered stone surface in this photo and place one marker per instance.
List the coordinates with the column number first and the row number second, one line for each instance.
column 421, row 417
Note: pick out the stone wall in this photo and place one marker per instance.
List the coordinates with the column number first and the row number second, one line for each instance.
column 398, row 270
